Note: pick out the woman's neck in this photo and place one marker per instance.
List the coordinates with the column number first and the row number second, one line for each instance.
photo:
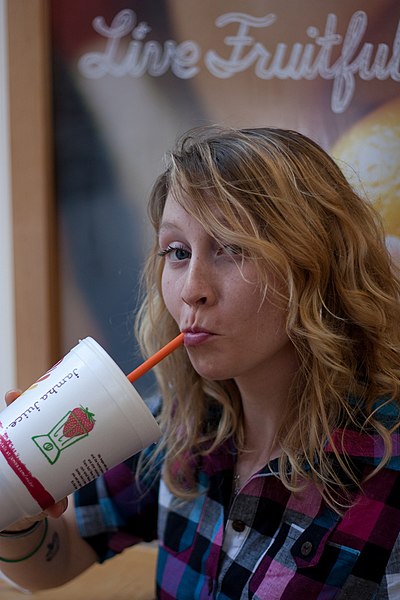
column 265, row 398
column 265, row 394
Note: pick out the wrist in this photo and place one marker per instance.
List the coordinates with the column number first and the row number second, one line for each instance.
column 34, row 538
column 16, row 533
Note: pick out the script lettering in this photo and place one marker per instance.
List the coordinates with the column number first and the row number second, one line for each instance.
column 309, row 61
column 36, row 405
column 139, row 58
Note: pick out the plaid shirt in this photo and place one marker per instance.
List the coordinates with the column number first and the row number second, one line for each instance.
column 266, row 543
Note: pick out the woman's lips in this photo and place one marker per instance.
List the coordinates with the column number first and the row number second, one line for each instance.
column 195, row 338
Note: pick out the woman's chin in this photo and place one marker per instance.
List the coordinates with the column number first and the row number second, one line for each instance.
column 211, row 372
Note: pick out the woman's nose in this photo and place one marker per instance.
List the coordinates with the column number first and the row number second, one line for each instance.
column 198, row 287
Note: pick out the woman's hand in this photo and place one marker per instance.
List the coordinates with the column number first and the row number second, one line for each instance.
column 55, row 511
column 11, row 396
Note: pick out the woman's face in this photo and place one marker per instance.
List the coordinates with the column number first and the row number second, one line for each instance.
column 212, row 293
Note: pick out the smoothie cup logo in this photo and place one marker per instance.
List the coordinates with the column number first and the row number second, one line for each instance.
column 73, row 426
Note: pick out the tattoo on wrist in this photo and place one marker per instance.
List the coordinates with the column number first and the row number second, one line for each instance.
column 53, row 547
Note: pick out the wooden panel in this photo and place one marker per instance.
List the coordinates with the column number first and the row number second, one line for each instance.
column 34, row 227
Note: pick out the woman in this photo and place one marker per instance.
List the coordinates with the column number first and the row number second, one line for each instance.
column 277, row 476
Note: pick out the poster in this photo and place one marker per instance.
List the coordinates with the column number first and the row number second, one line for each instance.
column 130, row 76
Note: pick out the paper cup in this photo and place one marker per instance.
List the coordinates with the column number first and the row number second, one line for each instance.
column 76, row 422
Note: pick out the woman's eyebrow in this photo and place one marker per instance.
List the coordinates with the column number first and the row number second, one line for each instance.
column 168, row 225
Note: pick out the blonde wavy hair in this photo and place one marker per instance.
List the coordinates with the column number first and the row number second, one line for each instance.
column 285, row 203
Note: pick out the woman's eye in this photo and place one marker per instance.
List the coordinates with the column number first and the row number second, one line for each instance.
column 175, row 253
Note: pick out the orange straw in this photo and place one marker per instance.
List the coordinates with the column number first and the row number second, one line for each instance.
column 153, row 360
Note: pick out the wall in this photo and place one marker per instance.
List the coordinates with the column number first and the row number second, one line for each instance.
column 7, row 316
column 33, row 206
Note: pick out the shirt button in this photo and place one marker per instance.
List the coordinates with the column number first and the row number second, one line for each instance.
column 306, row 548
column 238, row 525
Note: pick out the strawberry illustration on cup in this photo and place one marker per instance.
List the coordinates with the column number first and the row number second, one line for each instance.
column 74, row 426
column 80, row 421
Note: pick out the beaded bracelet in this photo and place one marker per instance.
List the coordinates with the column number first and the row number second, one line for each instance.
column 40, row 544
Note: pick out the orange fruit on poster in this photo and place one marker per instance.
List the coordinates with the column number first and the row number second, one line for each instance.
column 369, row 155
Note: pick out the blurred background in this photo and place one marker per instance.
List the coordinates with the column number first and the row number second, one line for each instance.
column 94, row 94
